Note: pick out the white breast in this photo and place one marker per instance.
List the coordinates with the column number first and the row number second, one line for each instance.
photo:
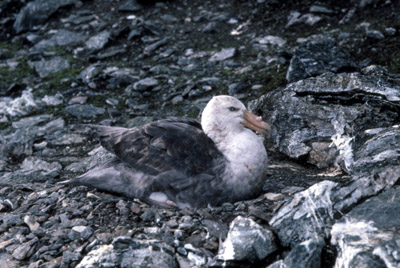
column 246, row 155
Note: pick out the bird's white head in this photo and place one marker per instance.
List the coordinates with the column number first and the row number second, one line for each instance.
column 225, row 114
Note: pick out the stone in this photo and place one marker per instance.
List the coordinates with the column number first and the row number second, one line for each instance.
column 20, row 106
column 84, row 110
column 150, row 48
column 90, row 72
column 53, row 100
column 375, row 34
column 366, row 236
column 222, row 55
column 300, row 117
column 47, row 67
column 68, row 257
column 80, row 18
column 246, row 241
column 321, row 9
column 51, row 127
column 236, row 88
column 25, row 250
column 31, row 121
column 121, row 78
column 305, row 254
column 296, row 17
column 18, row 144
column 98, row 41
column 390, row 31
column 216, row 229
column 81, row 232
column 128, row 252
column 33, row 169
column 61, row 38
column 319, row 54
column 130, row 6
column 272, row 40
column 295, row 223
column 145, row 84
column 32, row 223
column 37, row 12
column 66, row 139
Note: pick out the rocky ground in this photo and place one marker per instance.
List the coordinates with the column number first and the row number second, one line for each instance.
column 325, row 74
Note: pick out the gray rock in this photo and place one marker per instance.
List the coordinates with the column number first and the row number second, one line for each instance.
column 61, row 38
column 236, row 88
column 130, row 5
column 47, row 67
column 20, row 106
column 65, row 139
column 54, row 100
column 367, row 236
column 364, row 3
column 169, row 18
column 81, row 232
column 308, row 216
column 32, row 223
column 80, row 18
column 318, row 127
column 98, row 41
column 121, row 78
column 32, row 169
column 246, row 241
column 375, row 34
column 97, row 156
column 25, row 250
column 319, row 54
column 320, row 9
column 84, row 110
column 127, row 252
column 306, row 254
column 224, row 54
column 390, row 31
column 296, row 17
column 36, row 164
column 90, row 72
column 8, row 261
column 150, row 48
column 51, row 127
column 111, row 52
column 145, row 84
column 37, row 12
column 272, row 40
column 197, row 257
column 18, row 144
column 310, row 213
column 216, row 229
column 211, row 27
column 69, row 257
column 370, row 156
column 31, row 121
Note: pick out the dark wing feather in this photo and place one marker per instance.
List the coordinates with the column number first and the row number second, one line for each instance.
column 170, row 144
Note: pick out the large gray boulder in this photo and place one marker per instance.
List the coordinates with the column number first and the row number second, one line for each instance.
column 317, row 55
column 247, row 241
column 37, row 12
column 349, row 122
column 368, row 235
column 127, row 252
column 326, row 119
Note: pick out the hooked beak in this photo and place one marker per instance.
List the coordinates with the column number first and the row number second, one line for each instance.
column 255, row 123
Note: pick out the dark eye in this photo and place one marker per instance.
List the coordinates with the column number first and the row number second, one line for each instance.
column 233, row 109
